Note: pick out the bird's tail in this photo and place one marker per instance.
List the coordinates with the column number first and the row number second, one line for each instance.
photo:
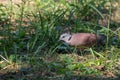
column 102, row 40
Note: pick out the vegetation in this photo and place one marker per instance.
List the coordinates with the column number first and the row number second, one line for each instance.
column 29, row 46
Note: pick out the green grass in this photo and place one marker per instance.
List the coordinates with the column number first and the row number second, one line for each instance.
column 29, row 46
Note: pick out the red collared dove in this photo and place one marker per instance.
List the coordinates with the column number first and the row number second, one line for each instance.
column 82, row 39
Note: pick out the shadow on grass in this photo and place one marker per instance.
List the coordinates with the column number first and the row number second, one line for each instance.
column 32, row 75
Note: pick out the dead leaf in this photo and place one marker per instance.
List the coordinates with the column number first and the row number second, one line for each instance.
column 101, row 68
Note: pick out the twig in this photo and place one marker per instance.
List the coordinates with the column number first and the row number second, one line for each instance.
column 4, row 59
column 6, row 67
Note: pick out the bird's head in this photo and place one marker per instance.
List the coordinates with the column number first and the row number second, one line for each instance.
column 65, row 37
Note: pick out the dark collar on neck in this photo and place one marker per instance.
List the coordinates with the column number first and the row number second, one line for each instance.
column 70, row 38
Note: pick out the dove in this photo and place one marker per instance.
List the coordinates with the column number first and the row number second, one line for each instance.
column 82, row 39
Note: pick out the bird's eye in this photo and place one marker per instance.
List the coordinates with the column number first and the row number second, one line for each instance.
column 63, row 37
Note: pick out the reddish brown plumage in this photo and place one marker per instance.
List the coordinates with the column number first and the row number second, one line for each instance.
column 82, row 39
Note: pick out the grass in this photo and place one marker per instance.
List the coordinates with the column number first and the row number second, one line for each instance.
column 29, row 46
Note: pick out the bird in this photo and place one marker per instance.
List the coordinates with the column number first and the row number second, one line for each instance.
column 82, row 39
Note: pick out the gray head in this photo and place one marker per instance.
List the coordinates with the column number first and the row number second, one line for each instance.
column 65, row 37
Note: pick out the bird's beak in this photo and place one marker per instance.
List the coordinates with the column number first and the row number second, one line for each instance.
column 59, row 39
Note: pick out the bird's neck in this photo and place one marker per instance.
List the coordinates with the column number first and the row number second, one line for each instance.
column 69, row 38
